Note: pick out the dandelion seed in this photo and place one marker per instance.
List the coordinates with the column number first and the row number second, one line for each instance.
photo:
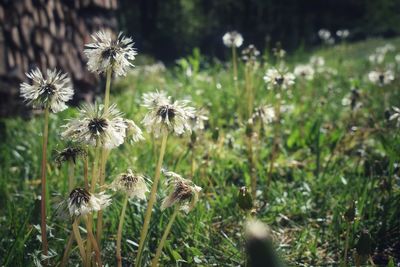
column 96, row 126
column 164, row 116
column 183, row 192
column 82, row 202
column 232, row 39
column 304, row 71
column 381, row 77
column 279, row 78
column 107, row 53
column 69, row 154
column 326, row 36
column 52, row 90
column 131, row 183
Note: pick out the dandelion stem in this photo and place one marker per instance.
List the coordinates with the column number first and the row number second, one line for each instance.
column 346, row 247
column 71, row 173
column 108, row 86
column 79, row 241
column 275, row 145
column 94, row 243
column 102, row 172
column 43, row 229
column 156, row 258
column 89, row 225
column 86, row 171
column 235, row 71
column 152, row 199
column 119, row 233
column 67, row 250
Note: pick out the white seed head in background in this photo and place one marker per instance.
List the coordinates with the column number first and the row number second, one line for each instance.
column 381, row 78
column 51, row 90
column 304, row 71
column 232, row 39
column 131, row 183
column 183, row 192
column 279, row 78
column 108, row 52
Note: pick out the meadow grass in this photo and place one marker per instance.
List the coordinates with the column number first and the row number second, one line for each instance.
column 329, row 157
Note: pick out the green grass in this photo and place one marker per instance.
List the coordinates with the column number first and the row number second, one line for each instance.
column 329, row 157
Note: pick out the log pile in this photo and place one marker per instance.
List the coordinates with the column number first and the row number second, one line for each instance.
column 48, row 34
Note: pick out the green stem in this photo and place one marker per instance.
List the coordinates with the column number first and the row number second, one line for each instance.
column 71, row 178
column 235, row 71
column 156, row 258
column 89, row 225
column 152, row 200
column 346, row 247
column 102, row 171
column 119, row 233
column 108, row 86
column 43, row 229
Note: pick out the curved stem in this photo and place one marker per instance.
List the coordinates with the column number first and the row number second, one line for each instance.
column 43, row 229
column 156, row 258
column 86, row 171
column 119, row 233
column 152, row 199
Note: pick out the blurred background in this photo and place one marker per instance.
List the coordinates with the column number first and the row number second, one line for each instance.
column 52, row 33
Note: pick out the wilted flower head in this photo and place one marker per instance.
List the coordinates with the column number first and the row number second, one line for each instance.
column 198, row 119
column 232, row 39
column 82, row 202
column 343, row 34
column 266, row 114
column 107, row 53
column 52, row 90
column 131, row 183
column 182, row 192
column 280, row 78
column 164, row 116
column 304, row 71
column 69, row 154
column 381, row 77
column 250, row 53
column 96, row 126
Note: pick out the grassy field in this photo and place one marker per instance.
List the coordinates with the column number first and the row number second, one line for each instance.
column 330, row 156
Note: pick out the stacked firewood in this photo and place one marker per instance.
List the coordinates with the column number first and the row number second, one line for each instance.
column 48, row 34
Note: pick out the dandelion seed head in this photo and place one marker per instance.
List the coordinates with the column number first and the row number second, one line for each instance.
column 183, row 192
column 279, row 78
column 96, row 126
column 380, row 77
column 232, row 39
column 82, row 202
column 107, row 52
column 131, row 183
column 69, row 154
column 304, row 71
column 51, row 90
